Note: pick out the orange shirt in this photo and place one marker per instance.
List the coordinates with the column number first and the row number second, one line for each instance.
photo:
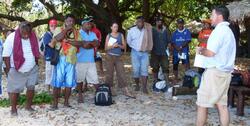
column 204, row 34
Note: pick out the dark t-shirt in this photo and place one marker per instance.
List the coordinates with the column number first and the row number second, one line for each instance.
column 160, row 40
column 48, row 50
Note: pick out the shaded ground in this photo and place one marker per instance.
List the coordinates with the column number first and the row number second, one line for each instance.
column 147, row 110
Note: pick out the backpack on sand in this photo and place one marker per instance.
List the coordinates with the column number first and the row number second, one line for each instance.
column 103, row 96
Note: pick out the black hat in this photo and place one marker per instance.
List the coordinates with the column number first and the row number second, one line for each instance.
column 159, row 19
column 180, row 21
column 140, row 17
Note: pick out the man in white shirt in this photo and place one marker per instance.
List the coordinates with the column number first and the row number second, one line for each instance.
column 21, row 55
column 219, row 63
column 139, row 56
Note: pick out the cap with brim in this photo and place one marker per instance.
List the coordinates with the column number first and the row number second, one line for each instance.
column 86, row 21
column 180, row 21
column 206, row 21
column 159, row 19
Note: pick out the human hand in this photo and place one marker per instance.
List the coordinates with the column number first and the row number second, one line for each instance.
column 115, row 45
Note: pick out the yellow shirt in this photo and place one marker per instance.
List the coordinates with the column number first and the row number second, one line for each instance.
column 68, row 50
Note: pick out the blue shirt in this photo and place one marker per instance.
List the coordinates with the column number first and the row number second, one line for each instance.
column 86, row 55
column 180, row 37
column 48, row 50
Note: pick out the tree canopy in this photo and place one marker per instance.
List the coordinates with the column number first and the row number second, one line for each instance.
column 38, row 12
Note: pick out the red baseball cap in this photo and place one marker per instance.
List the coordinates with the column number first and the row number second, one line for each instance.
column 53, row 21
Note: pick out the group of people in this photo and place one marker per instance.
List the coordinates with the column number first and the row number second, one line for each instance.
column 77, row 55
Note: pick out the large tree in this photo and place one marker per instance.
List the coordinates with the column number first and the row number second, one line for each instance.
column 106, row 11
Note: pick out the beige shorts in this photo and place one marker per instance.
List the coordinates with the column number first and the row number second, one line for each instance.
column 213, row 88
column 86, row 72
column 49, row 70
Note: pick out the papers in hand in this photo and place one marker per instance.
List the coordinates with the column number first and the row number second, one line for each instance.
column 199, row 60
column 182, row 56
column 167, row 52
column 112, row 41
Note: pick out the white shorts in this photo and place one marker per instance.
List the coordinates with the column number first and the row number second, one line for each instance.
column 49, row 70
column 86, row 72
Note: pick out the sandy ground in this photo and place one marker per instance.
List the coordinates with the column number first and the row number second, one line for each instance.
column 155, row 109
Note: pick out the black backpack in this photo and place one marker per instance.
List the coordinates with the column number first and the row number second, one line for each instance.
column 103, row 96
column 188, row 81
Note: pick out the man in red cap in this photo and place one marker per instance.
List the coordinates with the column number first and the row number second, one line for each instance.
column 49, row 52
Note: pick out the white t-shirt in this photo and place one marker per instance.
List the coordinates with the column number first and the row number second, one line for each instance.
column 29, row 62
column 222, row 43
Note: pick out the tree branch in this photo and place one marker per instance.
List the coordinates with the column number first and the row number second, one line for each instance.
column 12, row 18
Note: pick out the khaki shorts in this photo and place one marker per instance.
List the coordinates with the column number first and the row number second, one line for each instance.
column 17, row 80
column 86, row 72
column 213, row 88
column 49, row 70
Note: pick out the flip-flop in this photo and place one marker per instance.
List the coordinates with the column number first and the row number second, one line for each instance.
column 30, row 109
column 80, row 101
column 53, row 108
column 130, row 96
column 68, row 106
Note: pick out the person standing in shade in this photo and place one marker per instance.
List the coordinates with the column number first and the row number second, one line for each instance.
column 203, row 37
column 139, row 38
column 21, row 54
column 159, row 57
column 64, row 72
column 98, row 58
column 85, row 66
column 180, row 40
column 219, row 63
column 48, row 53
column 114, row 60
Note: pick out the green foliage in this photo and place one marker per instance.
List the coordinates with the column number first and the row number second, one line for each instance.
column 41, row 98
column 192, row 46
column 22, row 5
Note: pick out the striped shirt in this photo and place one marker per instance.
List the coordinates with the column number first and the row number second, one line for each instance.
column 29, row 62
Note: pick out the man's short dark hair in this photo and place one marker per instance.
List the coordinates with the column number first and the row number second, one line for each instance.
column 222, row 10
column 69, row 16
column 140, row 17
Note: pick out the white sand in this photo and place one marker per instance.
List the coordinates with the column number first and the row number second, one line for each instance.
column 151, row 110
column 146, row 110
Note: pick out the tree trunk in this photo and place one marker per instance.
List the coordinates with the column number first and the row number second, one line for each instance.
column 145, row 10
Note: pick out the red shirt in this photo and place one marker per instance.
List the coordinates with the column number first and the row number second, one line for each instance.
column 99, row 37
column 204, row 34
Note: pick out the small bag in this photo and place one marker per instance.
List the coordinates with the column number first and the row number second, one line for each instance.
column 103, row 96
column 55, row 57
column 160, row 86
column 188, row 81
column 236, row 79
